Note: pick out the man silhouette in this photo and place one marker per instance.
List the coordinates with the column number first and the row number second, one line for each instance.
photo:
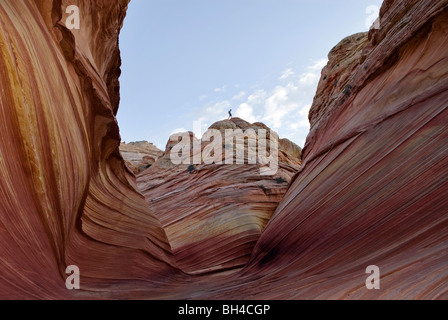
column 230, row 114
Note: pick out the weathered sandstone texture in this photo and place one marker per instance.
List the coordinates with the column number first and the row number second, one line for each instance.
column 66, row 198
column 140, row 155
column 372, row 186
column 214, row 214
column 374, row 180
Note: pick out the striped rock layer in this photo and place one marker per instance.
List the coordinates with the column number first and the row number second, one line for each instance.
column 213, row 214
column 371, row 189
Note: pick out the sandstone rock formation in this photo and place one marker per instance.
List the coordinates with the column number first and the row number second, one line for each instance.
column 66, row 198
column 371, row 189
column 214, row 214
column 140, row 155
column 374, row 180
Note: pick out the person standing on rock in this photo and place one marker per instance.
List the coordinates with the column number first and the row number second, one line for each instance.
column 230, row 114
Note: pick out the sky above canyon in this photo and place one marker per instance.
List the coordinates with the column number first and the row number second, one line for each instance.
column 193, row 60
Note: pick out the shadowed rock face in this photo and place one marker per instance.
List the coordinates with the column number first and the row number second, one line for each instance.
column 214, row 214
column 371, row 189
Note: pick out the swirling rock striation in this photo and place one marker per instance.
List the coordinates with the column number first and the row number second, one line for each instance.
column 66, row 198
column 373, row 185
column 213, row 214
column 371, row 188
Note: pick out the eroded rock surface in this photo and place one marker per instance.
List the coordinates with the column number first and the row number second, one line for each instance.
column 371, row 189
column 140, row 155
column 66, row 198
column 374, row 180
column 214, row 213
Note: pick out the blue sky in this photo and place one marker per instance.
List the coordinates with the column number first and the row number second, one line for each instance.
column 193, row 60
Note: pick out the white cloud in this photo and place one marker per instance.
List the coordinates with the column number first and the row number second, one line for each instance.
column 214, row 111
column 308, row 78
column 294, row 126
column 178, row 130
column 222, row 89
column 239, row 96
column 302, row 115
column 277, row 106
column 245, row 111
column 288, row 73
column 318, row 65
column 257, row 97
column 312, row 75
column 283, row 108
column 202, row 97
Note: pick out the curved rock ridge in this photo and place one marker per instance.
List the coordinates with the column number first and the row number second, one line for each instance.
column 139, row 155
column 66, row 198
column 213, row 214
column 373, row 185
column 343, row 60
